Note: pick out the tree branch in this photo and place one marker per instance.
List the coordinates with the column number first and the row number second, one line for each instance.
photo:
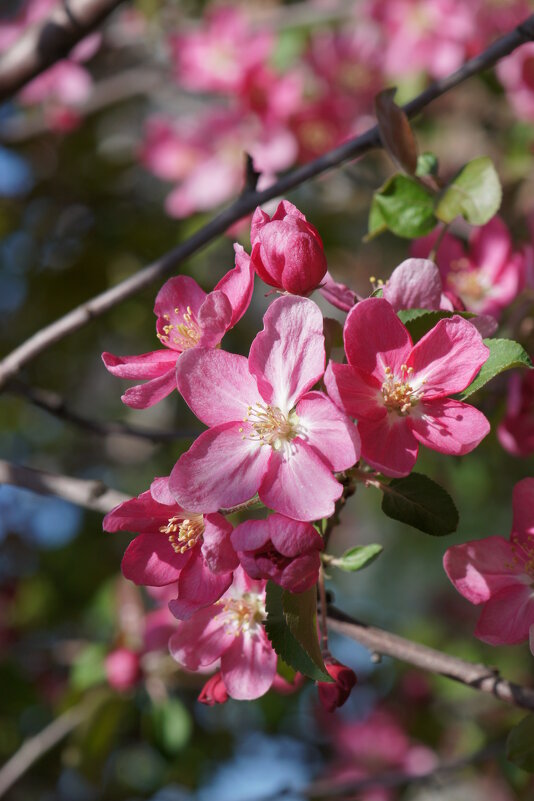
column 245, row 204
column 477, row 676
column 89, row 494
column 50, row 40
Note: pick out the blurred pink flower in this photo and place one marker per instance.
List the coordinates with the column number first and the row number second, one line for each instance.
column 123, row 669
column 516, row 73
column 516, row 429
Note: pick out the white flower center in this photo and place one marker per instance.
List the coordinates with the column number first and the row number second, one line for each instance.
column 185, row 334
column 184, row 533
column 470, row 285
column 270, row 426
column 243, row 614
column 398, row 394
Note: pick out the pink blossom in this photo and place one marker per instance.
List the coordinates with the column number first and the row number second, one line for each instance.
column 488, row 275
column 414, row 284
column 339, row 295
column 174, row 546
column 268, row 433
column 499, row 574
column 320, row 125
column 231, row 631
column 516, row 73
column 281, row 549
column 187, row 318
column 287, row 251
column 334, row 695
column 214, row 691
column 398, row 391
column 516, row 430
column 123, row 669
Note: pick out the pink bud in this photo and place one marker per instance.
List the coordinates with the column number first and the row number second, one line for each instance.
column 334, row 695
column 287, row 251
column 123, row 670
column 214, row 691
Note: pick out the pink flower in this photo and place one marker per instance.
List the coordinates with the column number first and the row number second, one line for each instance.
column 190, row 550
column 499, row 574
column 486, row 277
column 287, row 251
column 280, row 549
column 231, row 631
column 398, row 391
column 516, row 73
column 516, row 430
column 123, row 669
column 187, row 318
column 268, row 433
column 214, row 691
column 339, row 295
column 334, row 695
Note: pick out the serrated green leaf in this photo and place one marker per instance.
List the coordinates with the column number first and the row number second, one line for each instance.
column 283, row 640
column 504, row 355
column 427, row 164
column 520, row 744
column 420, row 321
column 421, row 503
column 376, row 224
column 358, row 557
column 407, row 208
column 474, row 193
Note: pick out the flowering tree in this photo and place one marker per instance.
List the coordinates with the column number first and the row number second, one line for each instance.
column 297, row 385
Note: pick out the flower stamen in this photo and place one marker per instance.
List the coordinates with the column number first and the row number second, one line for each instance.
column 184, row 534
column 397, row 393
column 270, row 426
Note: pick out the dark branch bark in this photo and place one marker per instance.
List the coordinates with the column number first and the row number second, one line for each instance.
column 245, row 204
column 50, row 40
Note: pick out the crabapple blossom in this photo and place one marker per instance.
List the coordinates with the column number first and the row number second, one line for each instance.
column 499, row 574
column 487, row 276
column 398, row 391
column 516, row 430
column 287, row 251
column 191, row 550
column 230, row 634
column 214, row 691
column 123, row 669
column 516, row 73
column 187, row 318
column 281, row 549
column 268, row 434
column 334, row 694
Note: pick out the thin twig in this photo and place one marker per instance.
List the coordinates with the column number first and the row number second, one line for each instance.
column 477, row 676
column 50, row 40
column 36, row 747
column 245, row 204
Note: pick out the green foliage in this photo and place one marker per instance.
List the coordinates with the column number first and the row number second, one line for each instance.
column 291, row 626
column 520, row 744
column 171, row 724
column 88, row 668
column 427, row 164
column 404, row 206
column 358, row 557
column 474, row 193
column 504, row 355
column 420, row 321
column 421, row 503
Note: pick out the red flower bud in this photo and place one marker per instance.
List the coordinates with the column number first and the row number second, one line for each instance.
column 214, row 691
column 334, row 695
column 123, row 670
column 287, row 251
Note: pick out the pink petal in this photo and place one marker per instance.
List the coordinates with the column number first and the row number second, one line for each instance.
column 159, row 489
column 151, row 560
column 201, row 640
column 356, row 392
column 214, row 318
column 220, row 470
column 176, row 296
column 490, row 246
column 291, row 537
column 249, row 666
column 298, row 484
column 328, row 431
column 144, row 395
column 389, row 445
column 198, row 587
column 449, row 426
column 414, row 284
column 145, row 365
column 507, row 617
column 138, row 514
column 375, row 338
column 482, row 568
column 216, row 385
column 217, row 550
column 238, row 284
column 337, row 294
column 450, row 250
column 523, row 506
column 288, row 356
column 448, row 358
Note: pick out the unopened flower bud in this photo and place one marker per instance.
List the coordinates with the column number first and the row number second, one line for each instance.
column 287, row 251
column 335, row 694
column 214, row 691
column 123, row 670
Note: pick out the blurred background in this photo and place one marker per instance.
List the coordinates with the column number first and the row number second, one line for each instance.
column 135, row 142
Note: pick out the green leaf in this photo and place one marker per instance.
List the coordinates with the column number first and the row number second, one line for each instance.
column 171, row 724
column 427, row 164
column 376, row 225
column 420, row 321
column 520, row 744
column 504, row 355
column 407, row 208
column 283, row 610
column 356, row 558
column 421, row 503
column 88, row 668
column 475, row 193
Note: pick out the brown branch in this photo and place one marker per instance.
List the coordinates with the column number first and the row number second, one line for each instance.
column 89, row 494
column 477, row 676
column 54, row 404
column 245, row 204
column 50, row 40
